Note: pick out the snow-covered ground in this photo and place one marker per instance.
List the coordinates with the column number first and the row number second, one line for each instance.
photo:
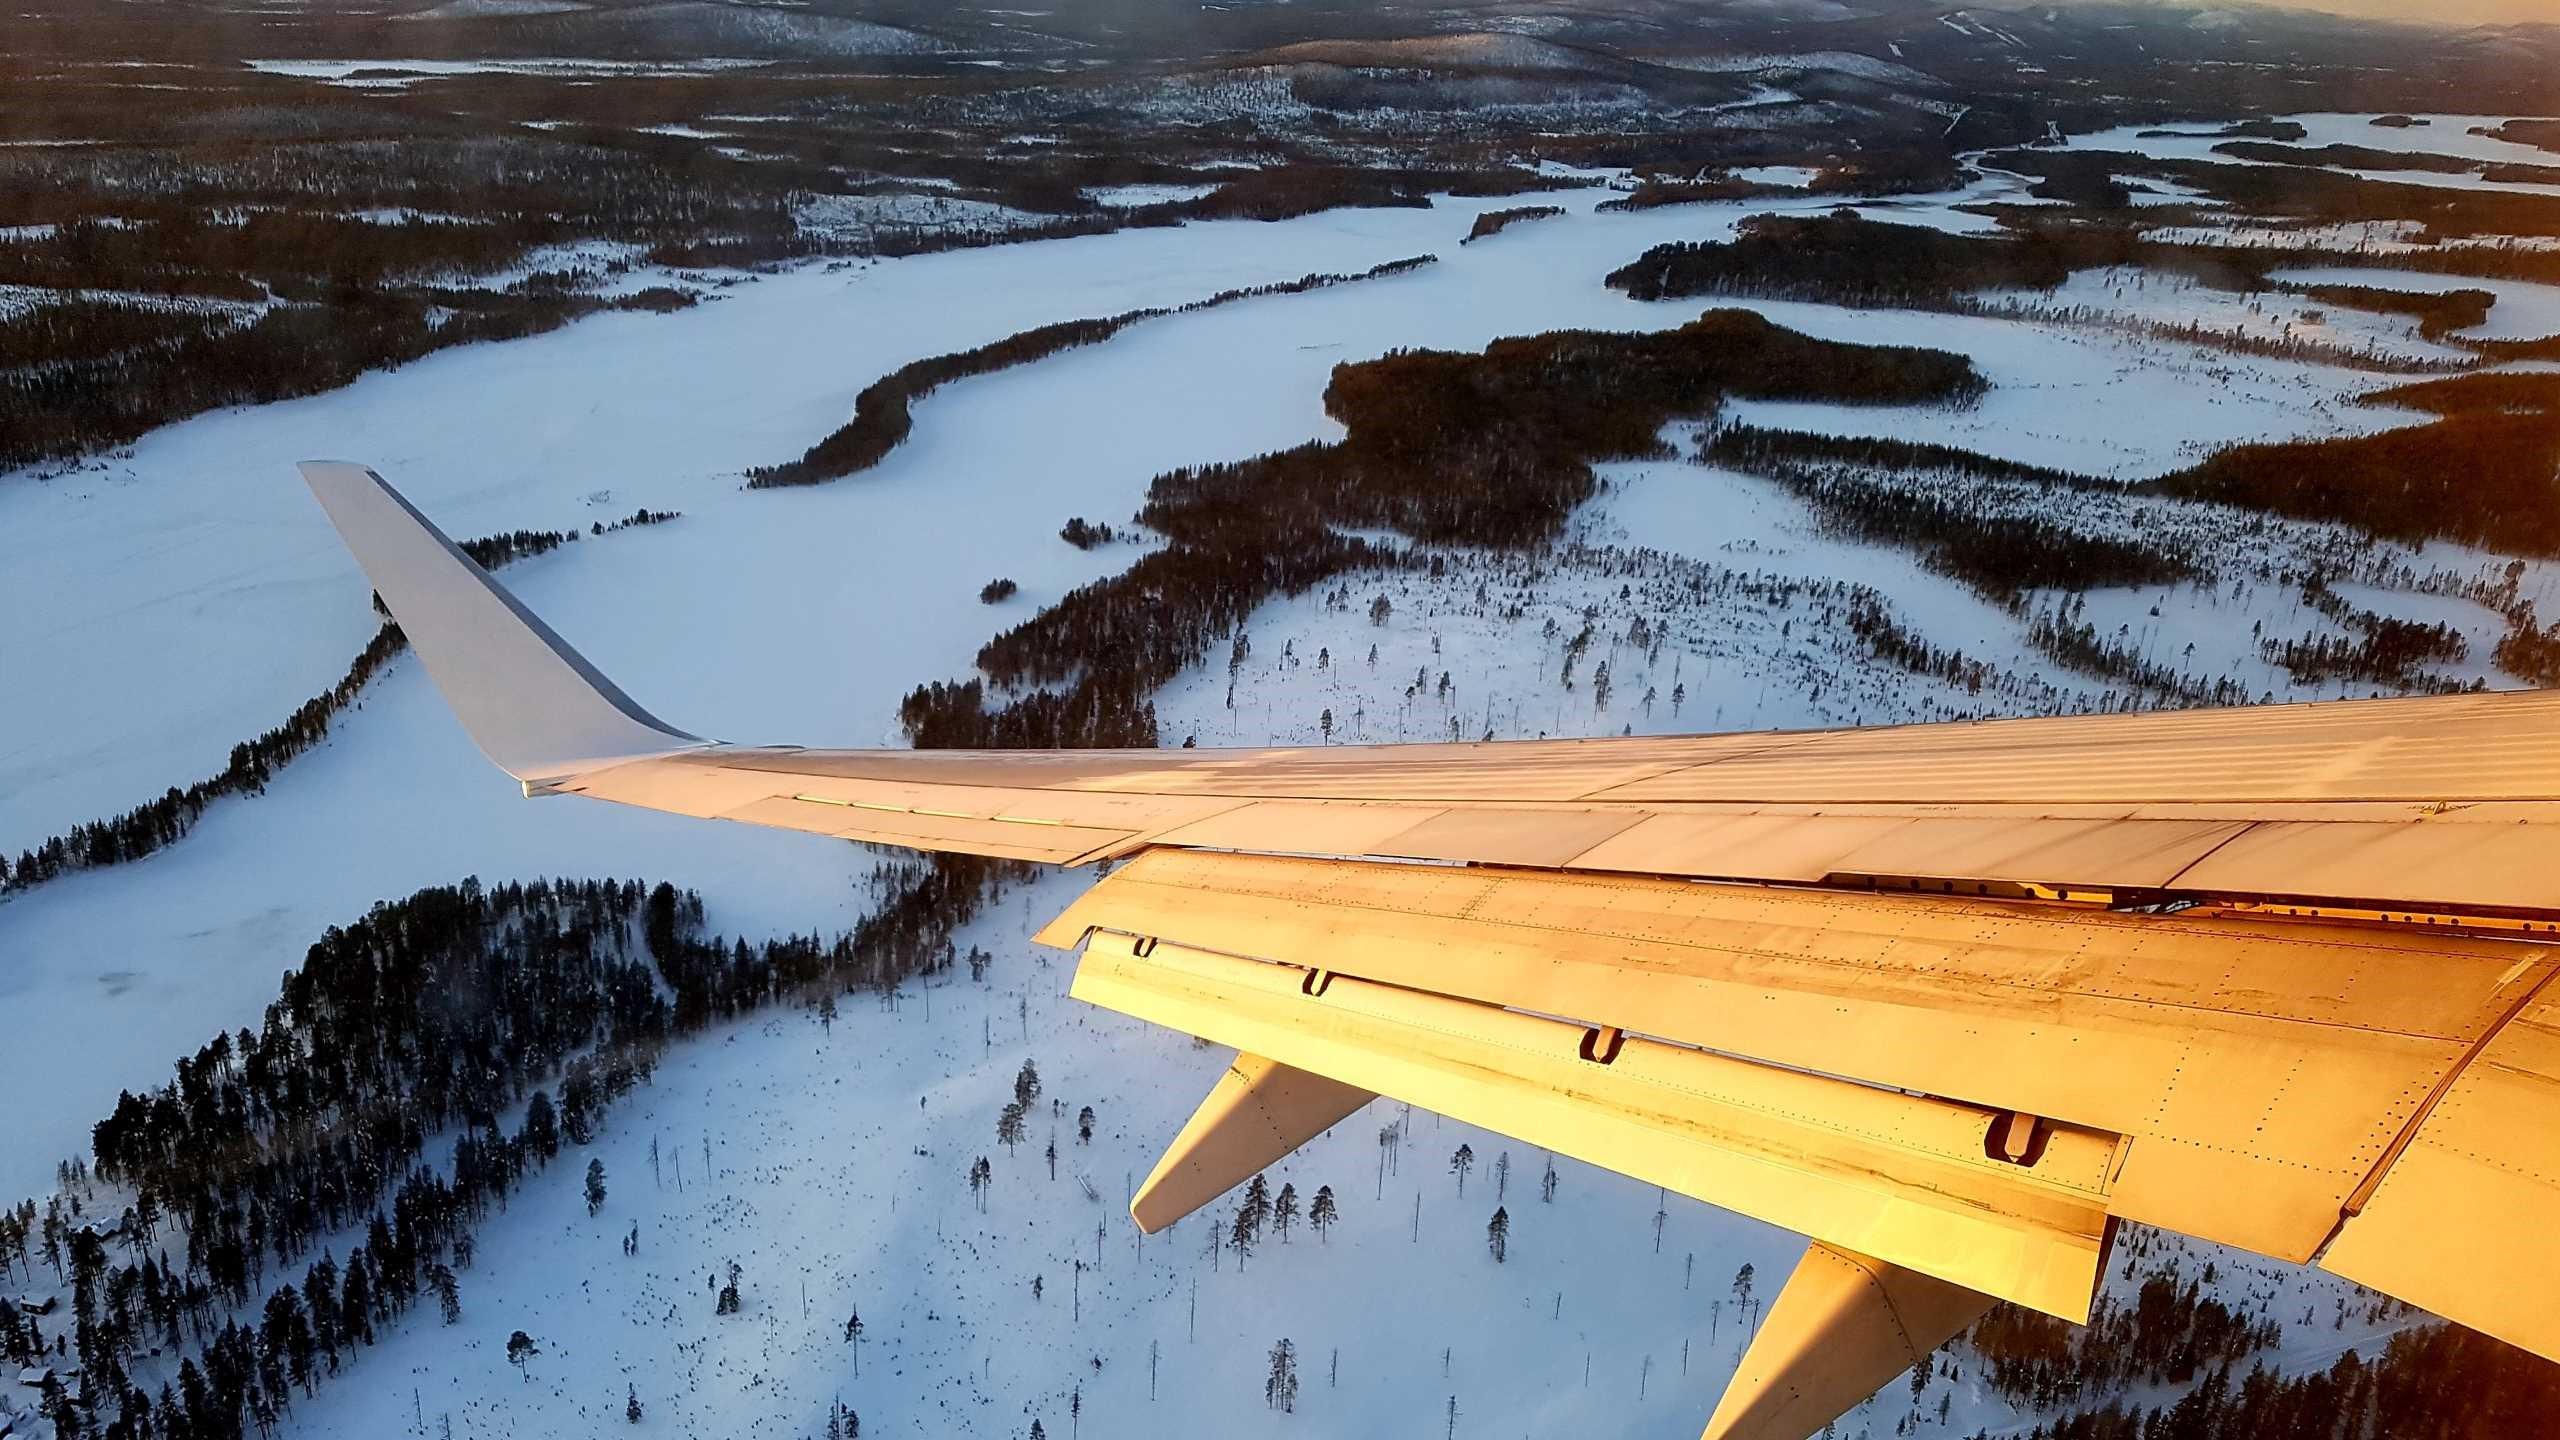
column 856, row 216
column 2267, row 316
column 1785, row 177
column 2090, row 401
column 193, row 595
column 1127, row 195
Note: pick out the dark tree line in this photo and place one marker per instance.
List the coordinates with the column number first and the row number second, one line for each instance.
column 2346, row 157
column 1845, row 258
column 1656, row 191
column 1494, row 222
column 2485, row 472
column 2171, row 1332
column 164, row 821
column 100, row 393
column 2261, row 129
column 882, row 413
column 2000, row 556
column 1756, row 449
column 2441, row 1382
column 2065, row 634
column 2541, row 134
column 2529, row 650
column 252, row 207
column 2439, row 314
column 2380, row 649
column 1491, row 449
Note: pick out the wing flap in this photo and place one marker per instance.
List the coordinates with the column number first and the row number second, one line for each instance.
column 2460, row 1222
column 1897, row 1176
column 2260, row 1069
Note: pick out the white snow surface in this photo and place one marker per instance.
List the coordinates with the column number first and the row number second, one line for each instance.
column 1127, row 195
column 1790, row 177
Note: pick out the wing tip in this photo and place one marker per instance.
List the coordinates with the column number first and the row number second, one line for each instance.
column 532, row 703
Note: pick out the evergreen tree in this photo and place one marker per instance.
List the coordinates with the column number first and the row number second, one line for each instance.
column 1084, row 1126
column 1497, row 1235
column 1009, row 1126
column 520, row 1348
column 1026, row 1085
column 1257, row 1206
column 541, row 1133
column 631, row 1403
column 595, row 1186
column 1321, row 1213
column 1240, row 1237
column 1284, row 1211
column 1462, row 1160
column 1280, row 1388
column 448, row 1293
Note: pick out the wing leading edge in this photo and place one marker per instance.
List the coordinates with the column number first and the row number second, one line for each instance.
column 1884, row 987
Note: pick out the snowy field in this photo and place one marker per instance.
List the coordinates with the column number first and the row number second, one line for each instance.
column 193, row 595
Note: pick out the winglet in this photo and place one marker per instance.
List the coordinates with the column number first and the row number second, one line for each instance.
column 532, row 704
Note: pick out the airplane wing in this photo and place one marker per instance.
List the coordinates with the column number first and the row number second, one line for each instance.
column 1950, row 1000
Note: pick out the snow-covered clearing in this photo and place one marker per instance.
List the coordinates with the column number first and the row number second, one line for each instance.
column 2268, row 316
column 856, row 216
column 2086, row 400
column 1128, row 195
column 1788, row 177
